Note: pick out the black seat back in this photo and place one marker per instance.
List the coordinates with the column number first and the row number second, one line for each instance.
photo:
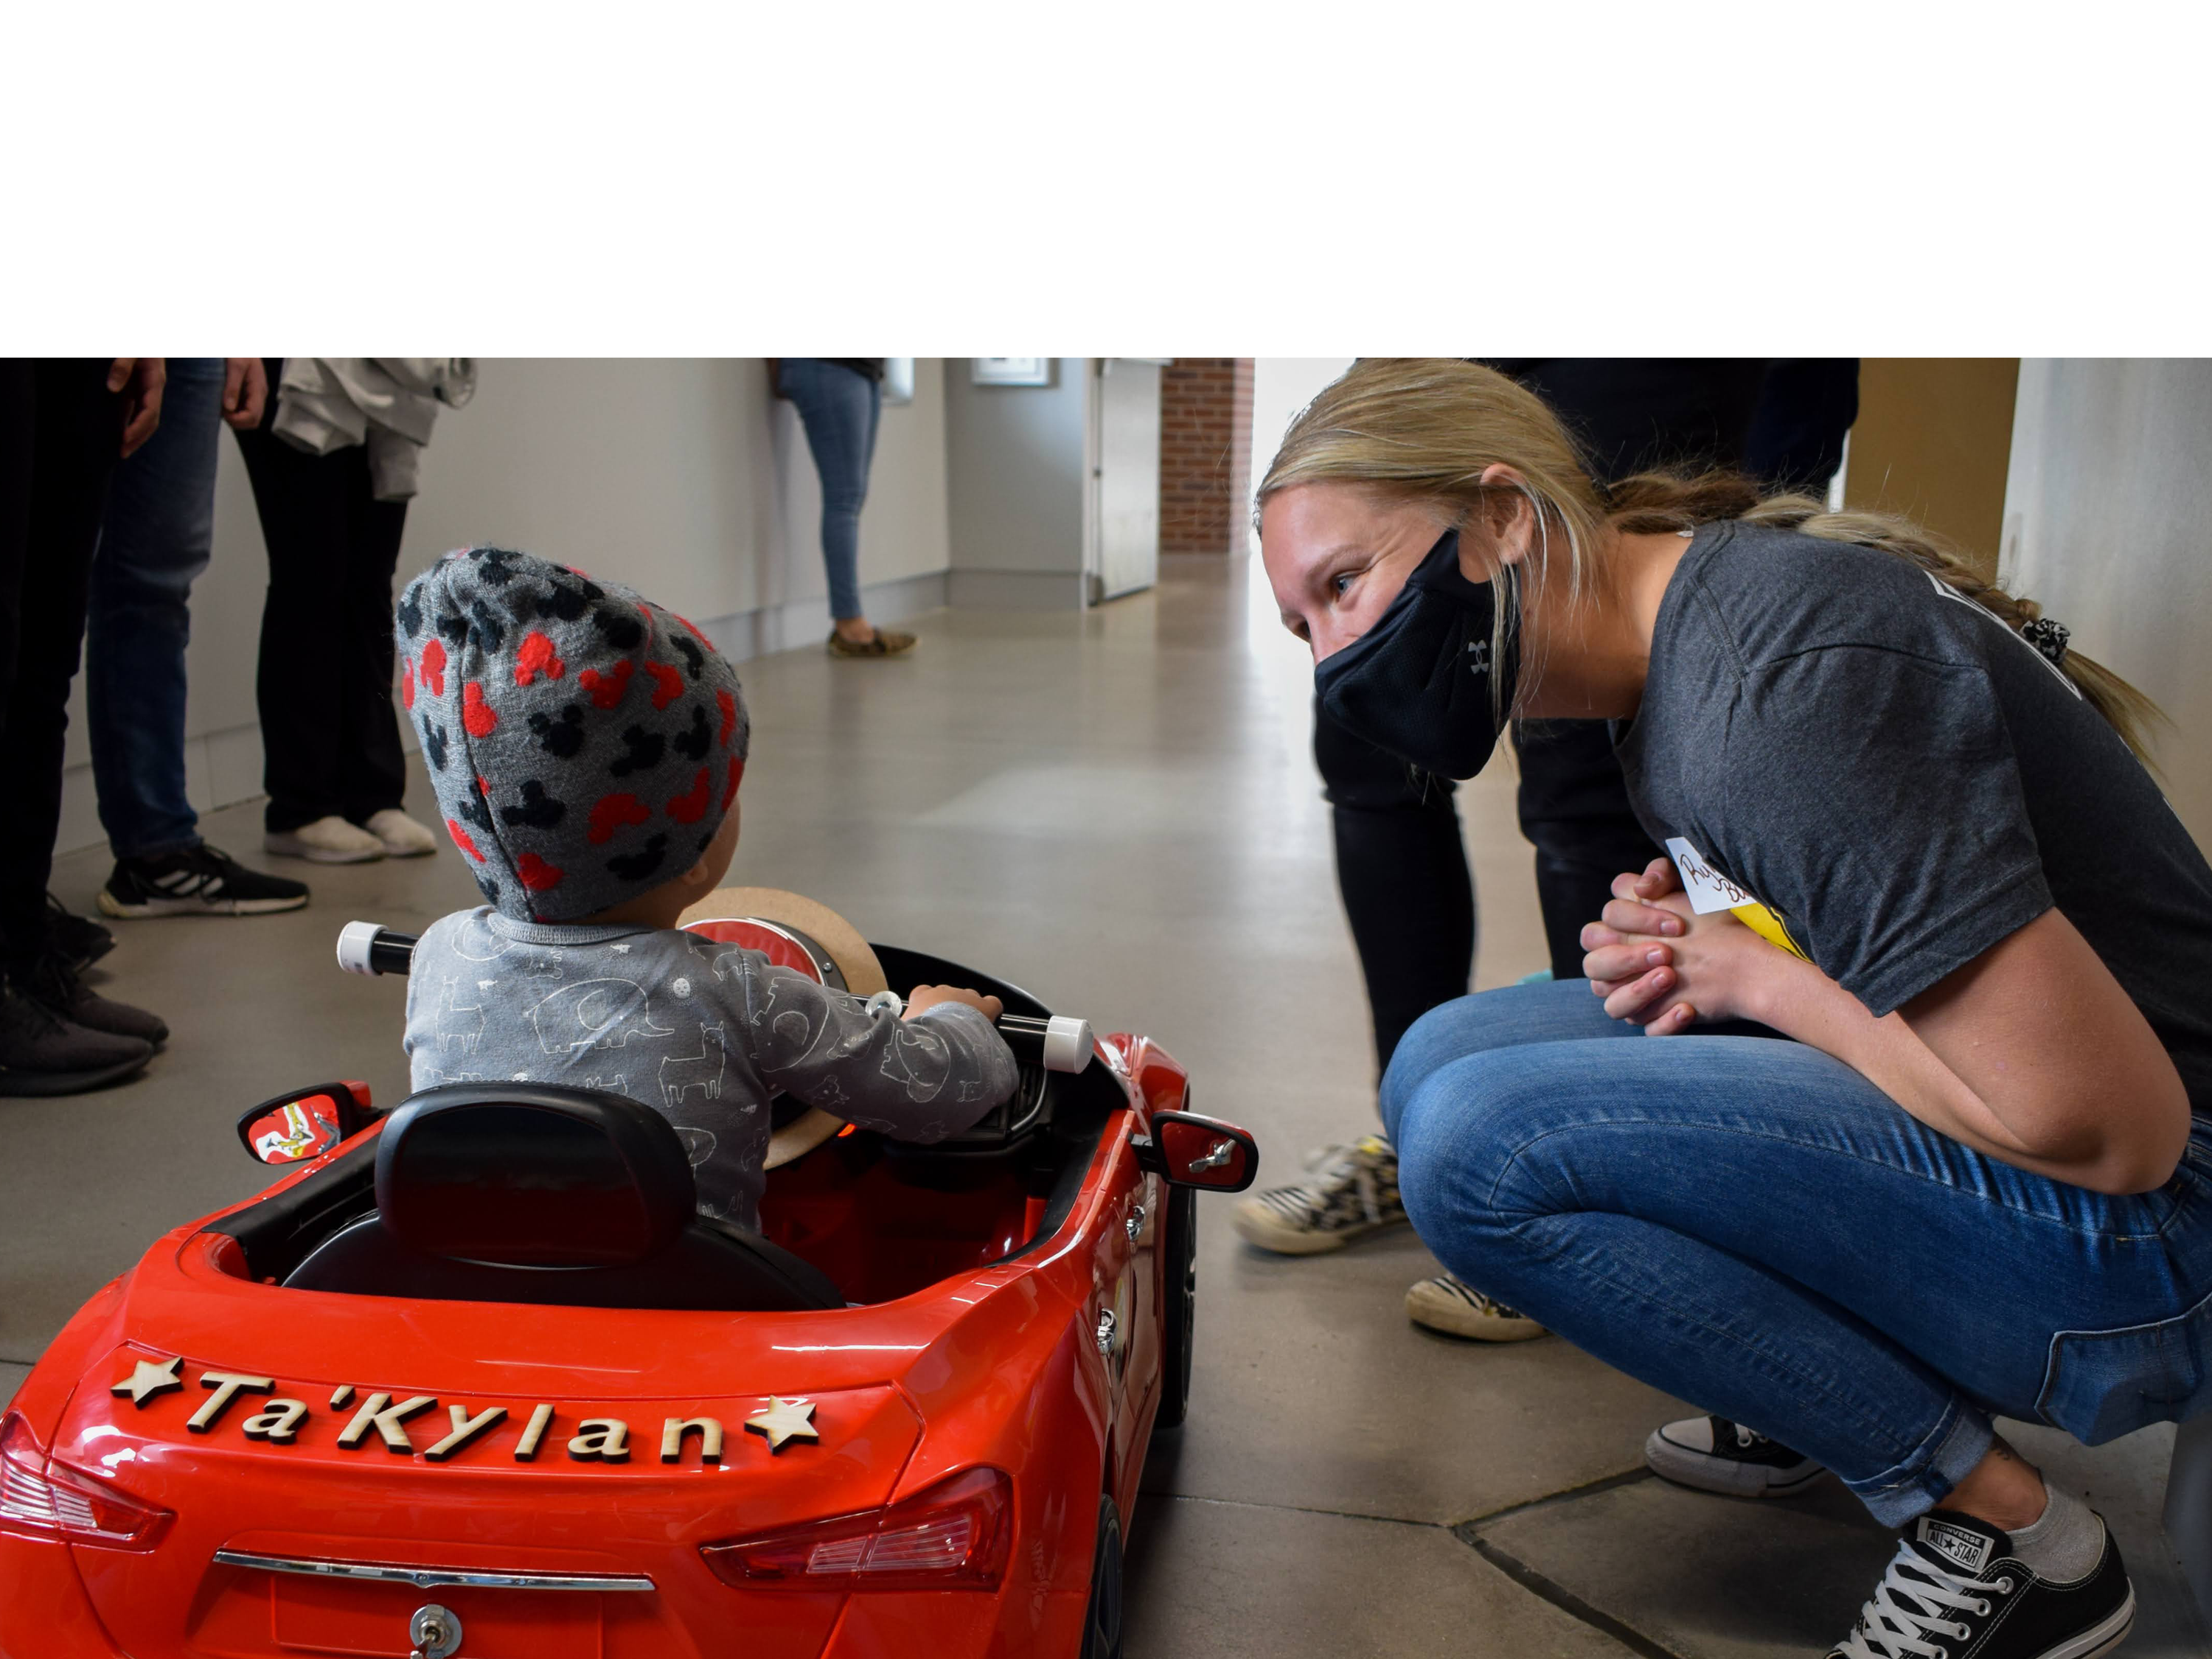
column 525, row 1193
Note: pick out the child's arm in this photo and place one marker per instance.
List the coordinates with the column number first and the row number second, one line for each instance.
column 920, row 1078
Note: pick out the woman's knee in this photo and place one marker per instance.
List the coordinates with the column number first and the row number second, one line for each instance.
column 1461, row 1133
column 1512, row 1017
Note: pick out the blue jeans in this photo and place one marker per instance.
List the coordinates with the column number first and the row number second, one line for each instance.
column 1751, row 1225
column 839, row 407
column 155, row 538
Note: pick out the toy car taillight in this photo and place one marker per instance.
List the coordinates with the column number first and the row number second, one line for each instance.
column 40, row 1498
column 953, row 1536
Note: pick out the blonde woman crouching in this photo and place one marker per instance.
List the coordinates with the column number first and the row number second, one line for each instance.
column 1926, row 1140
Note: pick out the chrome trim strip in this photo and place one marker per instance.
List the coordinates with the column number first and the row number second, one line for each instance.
column 433, row 1577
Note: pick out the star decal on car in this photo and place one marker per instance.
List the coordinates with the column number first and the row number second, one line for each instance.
column 784, row 1420
column 147, row 1379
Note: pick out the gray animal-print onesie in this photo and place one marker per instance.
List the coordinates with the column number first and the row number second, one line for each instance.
column 706, row 1033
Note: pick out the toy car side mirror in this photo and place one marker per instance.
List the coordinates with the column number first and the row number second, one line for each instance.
column 1191, row 1150
column 305, row 1123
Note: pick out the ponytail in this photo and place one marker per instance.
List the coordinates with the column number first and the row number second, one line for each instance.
column 1654, row 502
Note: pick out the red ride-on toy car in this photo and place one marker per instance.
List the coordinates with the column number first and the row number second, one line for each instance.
column 474, row 1378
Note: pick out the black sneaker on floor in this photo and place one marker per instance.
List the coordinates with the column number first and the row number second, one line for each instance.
column 200, row 881
column 1955, row 1588
column 1716, row 1455
column 55, row 984
column 80, row 940
column 43, row 1054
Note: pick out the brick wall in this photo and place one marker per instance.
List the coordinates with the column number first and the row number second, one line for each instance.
column 1205, row 449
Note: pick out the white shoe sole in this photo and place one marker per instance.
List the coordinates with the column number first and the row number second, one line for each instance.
column 112, row 906
column 1447, row 1314
column 1703, row 1472
column 393, row 850
column 291, row 846
column 1279, row 1237
column 2105, row 1638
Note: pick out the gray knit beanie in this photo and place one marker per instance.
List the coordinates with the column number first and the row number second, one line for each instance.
column 585, row 744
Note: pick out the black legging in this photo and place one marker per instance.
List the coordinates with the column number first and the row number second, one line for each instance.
column 330, row 739
column 1401, row 865
column 61, row 434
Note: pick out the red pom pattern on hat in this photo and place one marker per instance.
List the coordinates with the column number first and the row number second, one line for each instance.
column 461, row 840
column 612, row 812
column 691, row 805
column 476, row 714
column 536, row 874
column 667, row 683
column 736, row 776
column 535, row 657
column 434, row 667
column 607, row 690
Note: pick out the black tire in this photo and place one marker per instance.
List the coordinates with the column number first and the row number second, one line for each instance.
column 1179, row 1306
column 1101, row 1620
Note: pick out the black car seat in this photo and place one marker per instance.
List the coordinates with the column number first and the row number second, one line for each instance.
column 513, row 1192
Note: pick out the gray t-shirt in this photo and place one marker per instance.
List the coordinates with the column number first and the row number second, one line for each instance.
column 1905, row 782
column 705, row 1032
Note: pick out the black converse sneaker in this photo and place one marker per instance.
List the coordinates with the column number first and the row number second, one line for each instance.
column 1716, row 1455
column 1353, row 1191
column 200, row 881
column 1955, row 1588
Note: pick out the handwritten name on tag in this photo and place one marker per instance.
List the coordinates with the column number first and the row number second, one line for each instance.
column 1707, row 889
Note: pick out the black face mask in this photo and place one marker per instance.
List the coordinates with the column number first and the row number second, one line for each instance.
column 1417, row 683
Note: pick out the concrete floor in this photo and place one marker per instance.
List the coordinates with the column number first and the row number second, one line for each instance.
column 1117, row 811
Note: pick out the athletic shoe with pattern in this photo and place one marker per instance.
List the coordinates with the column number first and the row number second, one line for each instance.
column 200, row 881
column 1716, row 1455
column 1353, row 1191
column 1954, row 1587
column 1448, row 1303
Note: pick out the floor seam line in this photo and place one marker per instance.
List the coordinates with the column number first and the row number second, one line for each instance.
column 1297, row 1508
column 1588, row 1489
column 1547, row 1589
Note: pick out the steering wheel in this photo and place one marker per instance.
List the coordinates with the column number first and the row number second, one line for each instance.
column 792, row 931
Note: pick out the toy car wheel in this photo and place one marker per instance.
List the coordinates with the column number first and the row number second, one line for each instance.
column 1101, row 1621
column 1179, row 1307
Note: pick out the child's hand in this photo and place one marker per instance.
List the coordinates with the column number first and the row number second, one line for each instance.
column 929, row 996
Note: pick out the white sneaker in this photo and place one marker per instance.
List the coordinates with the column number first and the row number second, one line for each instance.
column 401, row 837
column 1715, row 1453
column 327, row 841
column 1448, row 1303
column 1354, row 1192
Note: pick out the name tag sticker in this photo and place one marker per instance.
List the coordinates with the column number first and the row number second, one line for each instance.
column 1707, row 889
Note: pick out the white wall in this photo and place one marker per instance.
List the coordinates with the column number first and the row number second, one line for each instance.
column 2108, row 523
column 682, row 477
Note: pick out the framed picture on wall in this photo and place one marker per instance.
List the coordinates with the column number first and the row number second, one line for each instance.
column 1011, row 371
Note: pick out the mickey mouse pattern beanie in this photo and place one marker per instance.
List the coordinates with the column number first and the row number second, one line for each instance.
column 584, row 743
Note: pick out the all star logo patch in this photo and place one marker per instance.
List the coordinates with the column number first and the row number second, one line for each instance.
column 1962, row 1548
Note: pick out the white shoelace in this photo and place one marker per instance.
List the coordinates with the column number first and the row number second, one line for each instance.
column 1906, row 1611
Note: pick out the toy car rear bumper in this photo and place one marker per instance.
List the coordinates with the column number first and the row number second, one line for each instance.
column 44, row 1611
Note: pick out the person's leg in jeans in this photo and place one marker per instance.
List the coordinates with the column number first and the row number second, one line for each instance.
column 1752, row 1226
column 840, row 409
column 155, row 540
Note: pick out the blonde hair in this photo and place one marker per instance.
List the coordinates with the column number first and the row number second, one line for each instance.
column 1423, row 430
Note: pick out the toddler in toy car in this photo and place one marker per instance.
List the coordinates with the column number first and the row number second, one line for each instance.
column 586, row 747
